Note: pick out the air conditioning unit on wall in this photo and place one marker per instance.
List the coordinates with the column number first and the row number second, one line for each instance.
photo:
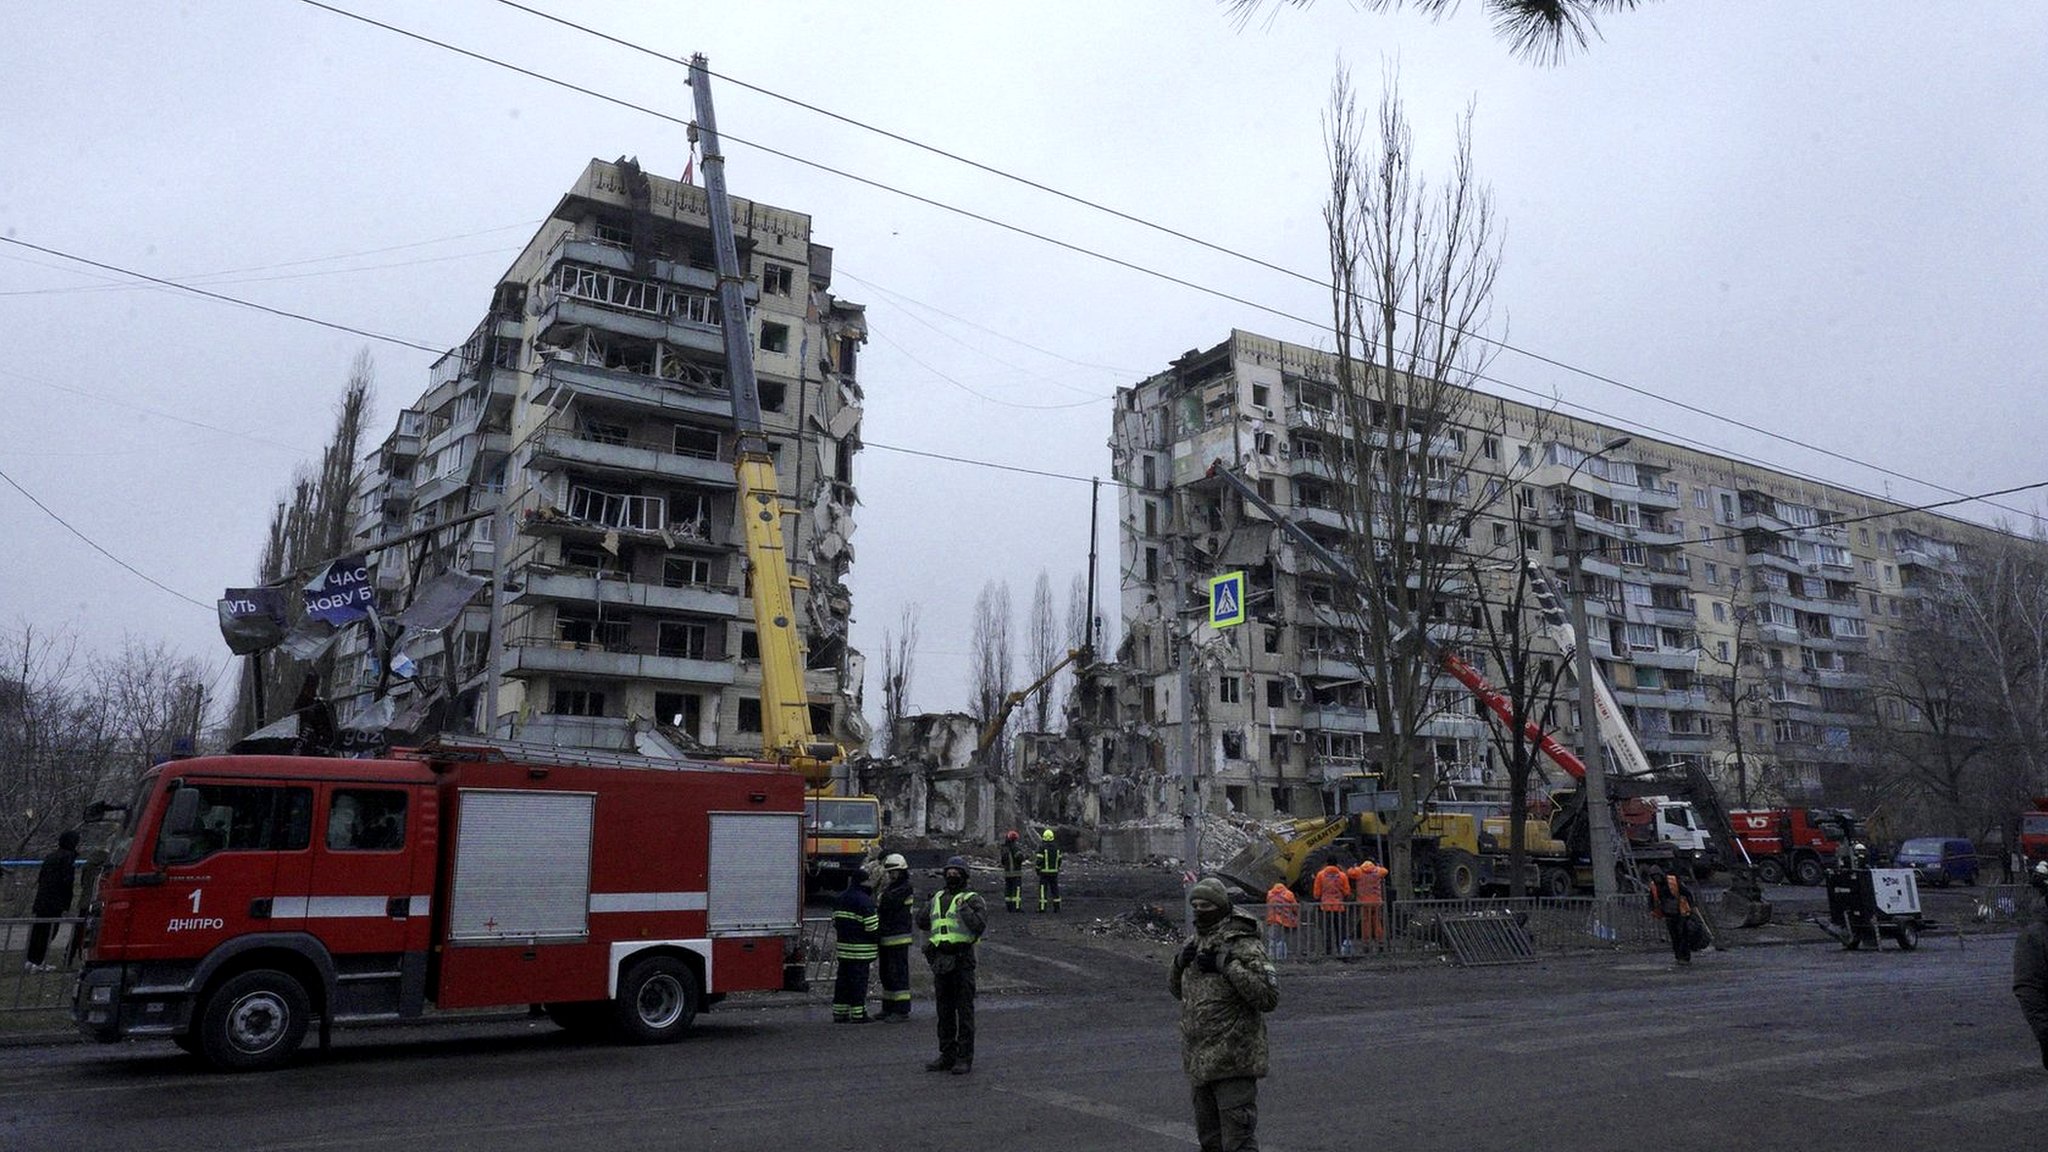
column 1299, row 737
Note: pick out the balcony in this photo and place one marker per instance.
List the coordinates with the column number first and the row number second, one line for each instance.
column 586, row 586
column 541, row 657
column 1329, row 666
column 630, row 390
column 560, row 310
column 1675, row 742
column 557, row 449
column 1338, row 718
column 607, row 733
column 1685, row 658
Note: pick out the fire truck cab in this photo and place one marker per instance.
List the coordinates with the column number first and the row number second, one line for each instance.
column 250, row 897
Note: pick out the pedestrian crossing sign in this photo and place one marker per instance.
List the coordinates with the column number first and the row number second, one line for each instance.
column 1226, row 600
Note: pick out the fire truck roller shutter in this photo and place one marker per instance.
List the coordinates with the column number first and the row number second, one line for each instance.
column 522, row 865
column 756, row 873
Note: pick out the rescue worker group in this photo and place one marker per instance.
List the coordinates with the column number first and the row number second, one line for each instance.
column 878, row 930
column 1222, row 975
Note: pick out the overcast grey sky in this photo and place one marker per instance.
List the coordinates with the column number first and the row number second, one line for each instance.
column 1824, row 219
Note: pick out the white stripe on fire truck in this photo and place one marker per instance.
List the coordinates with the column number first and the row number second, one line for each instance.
column 342, row 907
column 647, row 901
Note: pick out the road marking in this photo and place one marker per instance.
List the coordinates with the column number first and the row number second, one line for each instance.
column 1006, row 950
column 1783, row 1061
column 1896, row 1080
column 1580, row 1040
column 2017, row 1102
column 1115, row 1113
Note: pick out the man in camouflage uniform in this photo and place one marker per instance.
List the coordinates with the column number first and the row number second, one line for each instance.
column 1225, row 985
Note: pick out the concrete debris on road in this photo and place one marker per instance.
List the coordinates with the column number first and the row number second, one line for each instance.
column 1145, row 922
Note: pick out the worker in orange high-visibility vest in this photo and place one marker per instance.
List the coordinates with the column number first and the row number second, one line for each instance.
column 1283, row 916
column 1332, row 891
column 1369, row 885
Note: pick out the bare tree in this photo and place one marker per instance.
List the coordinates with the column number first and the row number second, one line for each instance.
column 1994, row 600
column 989, row 651
column 1412, row 266
column 74, row 730
column 1044, row 638
column 309, row 526
column 1544, row 31
column 1527, row 671
column 899, row 659
column 1080, row 613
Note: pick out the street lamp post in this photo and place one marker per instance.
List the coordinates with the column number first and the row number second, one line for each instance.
column 1599, row 819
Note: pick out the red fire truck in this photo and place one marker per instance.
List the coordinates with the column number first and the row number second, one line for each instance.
column 2034, row 832
column 1793, row 844
column 251, row 896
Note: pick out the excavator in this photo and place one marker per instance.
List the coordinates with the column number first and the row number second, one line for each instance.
column 843, row 833
column 1456, row 852
column 1077, row 657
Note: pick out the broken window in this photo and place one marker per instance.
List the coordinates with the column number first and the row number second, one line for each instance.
column 750, row 645
column 1233, row 746
column 685, row 571
column 1276, row 694
column 578, row 702
column 776, row 280
column 606, row 432
column 681, row 640
column 774, row 337
column 679, row 709
column 701, row 443
column 773, row 396
column 618, row 510
column 750, row 714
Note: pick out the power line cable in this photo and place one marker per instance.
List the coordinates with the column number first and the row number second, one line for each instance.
column 95, row 546
column 237, row 301
column 156, row 412
column 1220, row 249
column 727, row 137
column 216, row 275
column 912, row 357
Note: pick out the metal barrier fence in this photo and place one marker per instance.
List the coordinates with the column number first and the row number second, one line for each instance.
column 1556, row 926
column 820, row 964
column 2006, row 903
column 44, row 987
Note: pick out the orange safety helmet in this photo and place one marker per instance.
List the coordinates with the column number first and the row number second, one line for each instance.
column 1010, row 835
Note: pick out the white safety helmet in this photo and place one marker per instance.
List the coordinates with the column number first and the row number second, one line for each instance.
column 894, row 862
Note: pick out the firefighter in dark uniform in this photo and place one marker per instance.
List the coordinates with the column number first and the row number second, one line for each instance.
column 2030, row 961
column 1048, row 865
column 858, row 925
column 1014, row 858
column 953, row 922
column 898, row 931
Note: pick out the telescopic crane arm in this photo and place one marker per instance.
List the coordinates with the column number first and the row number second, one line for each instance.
column 786, row 733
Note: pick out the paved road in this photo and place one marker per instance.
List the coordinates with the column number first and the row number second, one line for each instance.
column 1761, row 1048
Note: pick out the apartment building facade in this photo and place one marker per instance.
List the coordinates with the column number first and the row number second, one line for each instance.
column 579, row 448
column 1741, row 616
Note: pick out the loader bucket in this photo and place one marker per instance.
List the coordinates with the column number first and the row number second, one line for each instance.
column 1739, row 909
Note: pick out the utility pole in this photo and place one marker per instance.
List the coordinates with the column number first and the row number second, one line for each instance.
column 1183, row 635
column 1599, row 817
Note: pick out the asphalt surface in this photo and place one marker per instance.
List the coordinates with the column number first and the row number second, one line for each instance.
column 1754, row 1047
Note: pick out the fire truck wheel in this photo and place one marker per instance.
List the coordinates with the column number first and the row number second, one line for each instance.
column 1770, row 870
column 657, row 1001
column 1808, row 871
column 253, row 1020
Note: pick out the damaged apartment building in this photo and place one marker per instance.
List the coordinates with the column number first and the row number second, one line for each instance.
column 580, row 447
column 1706, row 581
